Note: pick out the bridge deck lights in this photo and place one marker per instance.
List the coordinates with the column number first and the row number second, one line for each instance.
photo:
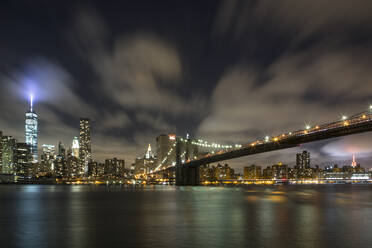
column 370, row 107
column 307, row 127
column 344, row 117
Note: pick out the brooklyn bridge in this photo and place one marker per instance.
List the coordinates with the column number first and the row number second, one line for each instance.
column 184, row 165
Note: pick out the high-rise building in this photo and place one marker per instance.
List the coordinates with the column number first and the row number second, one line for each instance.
column 115, row 167
column 303, row 160
column 61, row 149
column 31, row 131
column 47, row 159
column 73, row 168
column 8, row 151
column 252, row 172
column 75, row 147
column 149, row 153
column 23, row 160
column 85, row 142
column 60, row 166
column 302, row 168
column 93, row 169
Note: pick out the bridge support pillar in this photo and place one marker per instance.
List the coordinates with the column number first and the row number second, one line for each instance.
column 186, row 175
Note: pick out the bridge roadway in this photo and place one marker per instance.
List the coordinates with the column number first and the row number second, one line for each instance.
column 187, row 173
column 289, row 142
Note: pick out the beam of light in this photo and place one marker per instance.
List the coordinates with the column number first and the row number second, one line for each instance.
column 31, row 101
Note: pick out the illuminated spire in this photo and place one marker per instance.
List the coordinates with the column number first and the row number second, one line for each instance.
column 149, row 152
column 31, row 101
column 353, row 164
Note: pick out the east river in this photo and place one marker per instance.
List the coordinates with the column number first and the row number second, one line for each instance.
column 169, row 216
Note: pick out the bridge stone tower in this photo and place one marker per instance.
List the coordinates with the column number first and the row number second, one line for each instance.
column 185, row 175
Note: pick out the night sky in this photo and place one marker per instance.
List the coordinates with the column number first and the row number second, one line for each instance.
column 225, row 71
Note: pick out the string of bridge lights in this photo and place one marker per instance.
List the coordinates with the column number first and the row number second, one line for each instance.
column 204, row 143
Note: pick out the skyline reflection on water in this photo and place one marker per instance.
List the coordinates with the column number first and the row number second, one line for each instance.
column 168, row 216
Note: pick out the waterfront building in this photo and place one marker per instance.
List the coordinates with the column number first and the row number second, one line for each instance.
column 206, row 173
column 252, row 172
column 223, row 172
column 60, row 166
column 303, row 160
column 303, row 168
column 267, row 173
column 8, row 151
column 93, row 169
column 23, row 160
column 100, row 169
column 85, row 151
column 114, row 167
column 73, row 167
column 279, row 171
column 31, row 131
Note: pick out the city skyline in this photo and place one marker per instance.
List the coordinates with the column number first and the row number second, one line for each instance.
column 81, row 148
column 232, row 83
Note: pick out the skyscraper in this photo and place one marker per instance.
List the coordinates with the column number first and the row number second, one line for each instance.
column 61, row 149
column 75, row 147
column 22, row 160
column 85, row 143
column 303, row 160
column 149, row 153
column 8, row 152
column 31, row 131
column 47, row 158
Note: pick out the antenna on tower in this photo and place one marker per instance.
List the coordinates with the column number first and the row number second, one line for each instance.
column 31, row 101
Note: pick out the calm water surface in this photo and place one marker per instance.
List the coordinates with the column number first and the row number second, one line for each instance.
column 168, row 216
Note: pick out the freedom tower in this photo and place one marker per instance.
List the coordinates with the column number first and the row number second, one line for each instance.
column 31, row 131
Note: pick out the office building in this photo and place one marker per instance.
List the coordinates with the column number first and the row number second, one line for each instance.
column 252, row 172
column 61, row 149
column 23, row 160
column 47, row 159
column 75, row 147
column 115, row 167
column 31, row 131
column 8, row 152
column 303, row 160
column 85, row 142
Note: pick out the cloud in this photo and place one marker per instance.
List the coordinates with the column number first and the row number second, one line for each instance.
column 115, row 120
column 297, row 18
column 314, row 86
column 155, row 122
column 360, row 144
